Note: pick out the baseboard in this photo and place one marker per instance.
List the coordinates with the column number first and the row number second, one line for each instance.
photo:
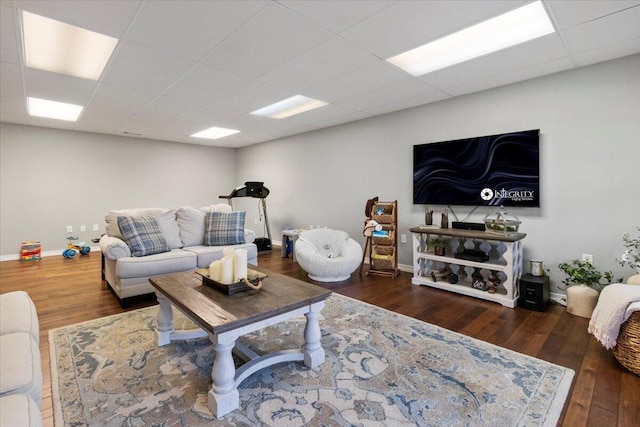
column 56, row 252
column 560, row 299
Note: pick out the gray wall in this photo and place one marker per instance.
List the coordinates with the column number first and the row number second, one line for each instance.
column 590, row 136
column 589, row 121
column 52, row 178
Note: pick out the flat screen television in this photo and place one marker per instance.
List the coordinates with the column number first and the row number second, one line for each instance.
column 494, row 170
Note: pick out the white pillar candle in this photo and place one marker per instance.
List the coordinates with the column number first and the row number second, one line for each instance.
column 230, row 252
column 240, row 264
column 226, row 271
column 214, row 270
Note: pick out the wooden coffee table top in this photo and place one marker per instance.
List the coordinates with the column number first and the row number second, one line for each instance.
column 218, row 312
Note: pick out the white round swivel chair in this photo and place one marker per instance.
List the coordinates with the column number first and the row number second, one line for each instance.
column 328, row 255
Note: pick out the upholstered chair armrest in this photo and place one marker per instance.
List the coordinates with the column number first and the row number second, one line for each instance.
column 114, row 248
column 249, row 236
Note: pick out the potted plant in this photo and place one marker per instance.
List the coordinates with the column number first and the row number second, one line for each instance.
column 440, row 245
column 584, row 283
column 631, row 257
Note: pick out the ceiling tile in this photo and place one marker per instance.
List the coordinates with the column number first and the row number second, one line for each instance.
column 271, row 38
column 336, row 16
column 162, row 112
column 202, row 25
column 116, row 104
column 514, row 76
column 324, row 114
column 204, row 83
column 409, row 24
column 9, row 44
column 12, row 98
column 144, row 69
column 111, row 18
column 385, row 95
column 362, row 80
column 322, row 63
column 567, row 15
column 253, row 96
column 58, row 87
column 604, row 31
column 412, row 101
column 204, row 118
column 606, row 53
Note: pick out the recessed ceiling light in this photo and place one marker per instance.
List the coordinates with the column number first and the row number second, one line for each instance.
column 215, row 133
column 53, row 110
column 509, row 29
column 62, row 48
column 289, row 107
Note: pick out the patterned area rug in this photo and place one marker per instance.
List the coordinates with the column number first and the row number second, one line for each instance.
column 381, row 369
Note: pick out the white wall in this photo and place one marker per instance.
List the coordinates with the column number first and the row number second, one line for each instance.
column 52, row 178
column 589, row 121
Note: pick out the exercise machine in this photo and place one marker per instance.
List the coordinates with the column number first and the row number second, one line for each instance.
column 257, row 190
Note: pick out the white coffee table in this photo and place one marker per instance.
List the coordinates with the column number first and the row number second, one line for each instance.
column 225, row 318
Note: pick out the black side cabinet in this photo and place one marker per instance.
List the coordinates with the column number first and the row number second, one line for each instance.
column 534, row 292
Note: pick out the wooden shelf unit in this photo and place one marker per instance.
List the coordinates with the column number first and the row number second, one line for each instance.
column 505, row 261
column 385, row 246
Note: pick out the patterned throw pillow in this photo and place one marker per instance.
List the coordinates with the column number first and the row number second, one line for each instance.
column 143, row 235
column 222, row 228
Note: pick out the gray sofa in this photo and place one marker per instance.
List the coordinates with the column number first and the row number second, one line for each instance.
column 184, row 231
column 20, row 365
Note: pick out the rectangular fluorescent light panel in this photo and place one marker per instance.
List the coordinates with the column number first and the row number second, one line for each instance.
column 215, row 133
column 512, row 28
column 53, row 110
column 289, row 107
column 62, row 48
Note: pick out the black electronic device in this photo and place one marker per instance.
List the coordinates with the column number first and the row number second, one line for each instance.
column 493, row 170
column 255, row 189
column 462, row 225
column 534, row 292
column 472, row 255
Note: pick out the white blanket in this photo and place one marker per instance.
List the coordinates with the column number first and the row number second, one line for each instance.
column 615, row 305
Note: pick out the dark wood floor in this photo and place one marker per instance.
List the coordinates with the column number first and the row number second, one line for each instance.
column 67, row 291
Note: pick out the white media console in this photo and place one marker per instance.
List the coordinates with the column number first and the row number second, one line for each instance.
column 505, row 261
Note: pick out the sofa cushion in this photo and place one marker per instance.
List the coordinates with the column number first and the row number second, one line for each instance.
column 224, row 228
column 191, row 224
column 20, row 366
column 166, row 219
column 18, row 314
column 142, row 234
column 153, row 265
column 19, row 410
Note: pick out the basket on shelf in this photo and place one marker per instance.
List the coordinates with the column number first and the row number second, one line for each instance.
column 382, row 257
column 627, row 350
column 383, row 213
column 386, row 240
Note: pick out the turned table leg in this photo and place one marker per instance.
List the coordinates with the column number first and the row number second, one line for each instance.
column 312, row 350
column 223, row 396
column 165, row 320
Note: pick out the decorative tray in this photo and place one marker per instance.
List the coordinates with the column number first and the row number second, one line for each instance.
column 252, row 282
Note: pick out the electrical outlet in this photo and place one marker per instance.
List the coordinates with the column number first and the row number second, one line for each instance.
column 588, row 258
column 83, row 228
column 69, row 229
column 96, row 227
column 403, row 238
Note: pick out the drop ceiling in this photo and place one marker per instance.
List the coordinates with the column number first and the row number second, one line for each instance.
column 183, row 66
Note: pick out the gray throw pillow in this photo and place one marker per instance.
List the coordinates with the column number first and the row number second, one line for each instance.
column 143, row 235
column 222, row 228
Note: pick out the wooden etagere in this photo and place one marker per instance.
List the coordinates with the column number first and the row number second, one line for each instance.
column 383, row 255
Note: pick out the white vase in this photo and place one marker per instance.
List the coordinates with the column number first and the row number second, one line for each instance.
column 634, row 280
column 581, row 300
